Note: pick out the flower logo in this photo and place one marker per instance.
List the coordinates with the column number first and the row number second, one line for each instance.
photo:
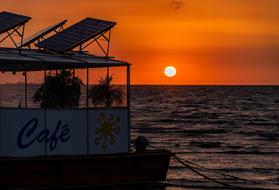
column 105, row 133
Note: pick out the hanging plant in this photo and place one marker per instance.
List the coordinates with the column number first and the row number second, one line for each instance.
column 59, row 91
column 105, row 93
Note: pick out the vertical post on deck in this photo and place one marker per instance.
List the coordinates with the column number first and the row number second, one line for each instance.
column 128, row 105
column 25, row 89
column 44, row 103
column 45, row 112
column 0, row 97
column 87, row 109
column 1, row 72
column 0, row 111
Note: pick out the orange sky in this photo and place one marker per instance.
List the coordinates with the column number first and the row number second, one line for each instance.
column 208, row 41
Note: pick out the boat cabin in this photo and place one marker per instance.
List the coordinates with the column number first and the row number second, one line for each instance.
column 65, row 112
column 56, row 98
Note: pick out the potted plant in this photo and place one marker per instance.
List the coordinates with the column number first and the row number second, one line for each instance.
column 59, row 91
column 105, row 93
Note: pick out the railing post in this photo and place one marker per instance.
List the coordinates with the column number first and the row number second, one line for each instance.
column 128, row 105
column 87, row 109
column 45, row 111
column 25, row 89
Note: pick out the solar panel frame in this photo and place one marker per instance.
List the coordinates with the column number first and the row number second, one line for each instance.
column 76, row 35
column 39, row 60
column 10, row 21
column 42, row 33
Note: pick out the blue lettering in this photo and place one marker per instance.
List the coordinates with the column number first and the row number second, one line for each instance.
column 27, row 136
column 65, row 134
column 26, row 131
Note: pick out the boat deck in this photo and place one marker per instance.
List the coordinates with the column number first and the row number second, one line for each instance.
column 71, row 171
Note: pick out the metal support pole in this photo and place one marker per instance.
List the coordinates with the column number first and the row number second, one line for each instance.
column 25, row 88
column 0, row 111
column 1, row 74
column 0, row 99
column 104, row 51
column 45, row 111
column 128, row 106
column 44, row 102
column 10, row 34
column 21, row 42
column 108, row 43
column 87, row 108
column 107, row 71
column 4, row 38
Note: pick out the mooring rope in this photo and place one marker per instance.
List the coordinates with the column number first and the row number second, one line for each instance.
column 218, row 172
column 187, row 163
column 174, row 157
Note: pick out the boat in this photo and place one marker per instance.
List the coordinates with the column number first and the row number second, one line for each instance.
column 47, row 139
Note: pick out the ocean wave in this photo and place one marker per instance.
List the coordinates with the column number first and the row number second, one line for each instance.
column 205, row 144
column 235, row 146
column 200, row 115
column 197, row 132
column 269, row 136
column 266, row 123
column 257, row 152
column 168, row 120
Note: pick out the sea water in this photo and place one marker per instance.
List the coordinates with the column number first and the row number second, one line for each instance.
column 231, row 129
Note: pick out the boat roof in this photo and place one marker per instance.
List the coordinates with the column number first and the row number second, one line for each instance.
column 12, row 59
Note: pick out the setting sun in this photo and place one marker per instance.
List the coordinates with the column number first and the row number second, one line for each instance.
column 170, row 71
column 158, row 91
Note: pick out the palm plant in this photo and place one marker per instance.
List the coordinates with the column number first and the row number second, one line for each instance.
column 105, row 93
column 59, row 91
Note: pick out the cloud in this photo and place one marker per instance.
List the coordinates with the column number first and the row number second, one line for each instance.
column 175, row 4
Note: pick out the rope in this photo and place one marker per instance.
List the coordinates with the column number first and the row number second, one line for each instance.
column 186, row 163
column 206, row 177
column 218, row 172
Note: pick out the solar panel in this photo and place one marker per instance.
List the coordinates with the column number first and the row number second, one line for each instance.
column 9, row 21
column 76, row 35
column 42, row 33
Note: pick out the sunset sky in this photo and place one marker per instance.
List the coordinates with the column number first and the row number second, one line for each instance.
column 208, row 41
